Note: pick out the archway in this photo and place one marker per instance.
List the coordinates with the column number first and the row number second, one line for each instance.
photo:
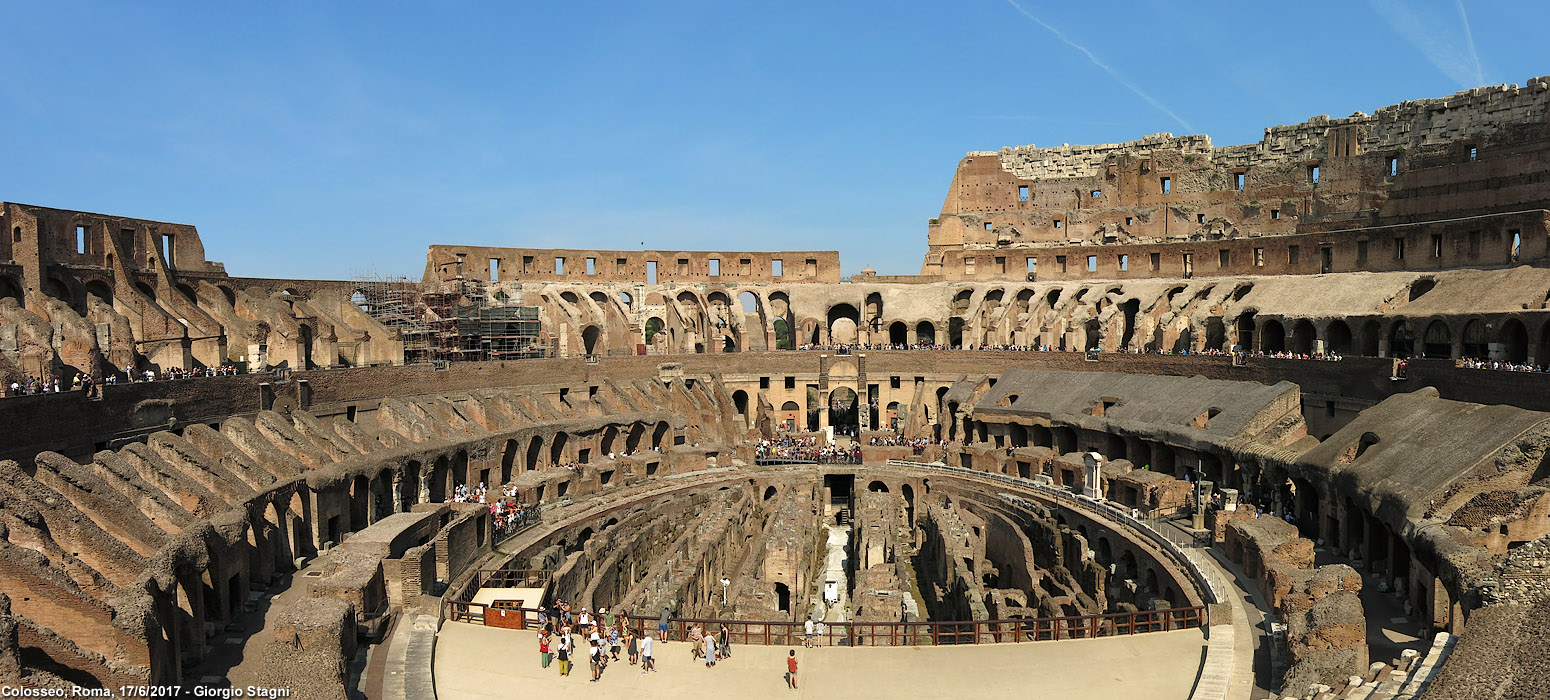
column 1401, row 339
column 306, row 346
column 1303, row 337
column 1337, row 338
column 1367, row 344
column 1514, row 341
column 557, row 448
column 843, row 410
column 1094, row 334
column 1477, row 341
column 1437, row 341
column 589, row 339
column 843, row 320
column 101, row 290
column 1216, row 334
column 925, row 333
column 1272, row 336
column 898, row 333
column 534, row 449
column 9, row 288
column 1246, row 331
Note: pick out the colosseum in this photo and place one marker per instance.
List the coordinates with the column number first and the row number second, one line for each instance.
column 1156, row 419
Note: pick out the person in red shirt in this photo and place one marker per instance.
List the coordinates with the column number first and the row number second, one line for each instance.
column 791, row 670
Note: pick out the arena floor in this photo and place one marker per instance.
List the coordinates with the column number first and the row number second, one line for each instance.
column 475, row 662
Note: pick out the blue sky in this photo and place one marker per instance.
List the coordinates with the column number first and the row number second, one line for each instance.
column 320, row 140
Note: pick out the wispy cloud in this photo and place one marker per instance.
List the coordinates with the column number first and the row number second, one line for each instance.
column 1428, row 31
column 1106, row 68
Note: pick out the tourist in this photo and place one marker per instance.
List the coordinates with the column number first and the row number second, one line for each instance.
column 710, row 650
column 662, row 626
column 726, row 641
column 807, row 633
column 647, row 661
column 543, row 649
column 594, row 658
column 791, row 670
column 564, row 655
column 613, row 642
column 584, row 623
column 818, row 629
column 632, row 646
column 697, row 636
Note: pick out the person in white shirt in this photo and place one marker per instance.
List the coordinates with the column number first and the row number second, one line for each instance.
column 648, row 662
column 807, row 633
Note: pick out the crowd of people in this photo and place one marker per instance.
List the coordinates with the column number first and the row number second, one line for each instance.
column 603, row 636
column 808, row 448
column 509, row 515
column 52, row 385
column 918, row 445
column 1476, row 363
column 463, row 494
column 81, row 381
column 1002, row 347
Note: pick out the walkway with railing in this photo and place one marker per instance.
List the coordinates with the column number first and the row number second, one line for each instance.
column 885, row 634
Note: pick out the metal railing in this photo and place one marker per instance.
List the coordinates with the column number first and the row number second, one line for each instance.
column 1206, row 582
column 528, row 518
column 462, row 608
column 879, row 634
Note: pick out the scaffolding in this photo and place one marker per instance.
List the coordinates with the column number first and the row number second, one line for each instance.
column 457, row 323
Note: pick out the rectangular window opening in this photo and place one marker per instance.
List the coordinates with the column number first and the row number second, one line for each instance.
column 1515, row 251
column 495, row 269
column 812, row 267
column 1124, row 263
column 715, row 267
column 1237, row 181
column 1222, row 258
column 591, row 266
column 1200, row 218
column 1259, row 257
column 1436, row 245
column 775, row 268
column 1156, row 262
column 683, row 266
column 1001, row 264
column 987, row 225
column 1092, row 263
column 1399, row 249
column 1057, row 223
column 1275, row 214
column 620, row 265
column 527, row 264
column 1130, row 221
column 1097, row 193
column 167, row 249
column 1167, row 185
column 80, row 239
column 1022, row 193
column 1473, row 153
column 1033, row 264
column 559, row 266
column 1060, row 262
column 651, row 272
column 1313, row 174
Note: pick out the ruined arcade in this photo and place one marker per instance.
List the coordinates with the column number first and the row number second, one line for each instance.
column 1284, row 396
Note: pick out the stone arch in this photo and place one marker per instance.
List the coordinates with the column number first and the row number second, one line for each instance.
column 438, row 480
column 1367, row 343
column 1401, row 338
column 101, row 290
column 557, row 448
column 591, row 338
column 659, row 433
column 1245, row 324
column 535, row 448
column 10, row 288
column 925, row 333
column 1514, row 341
column 360, row 502
column 843, row 320
column 1216, row 334
column 1303, row 337
column 1477, row 340
column 408, row 486
column 1272, row 336
column 508, row 458
column 1437, row 340
column 610, row 436
column 877, row 486
column 1337, row 338
column 898, row 333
